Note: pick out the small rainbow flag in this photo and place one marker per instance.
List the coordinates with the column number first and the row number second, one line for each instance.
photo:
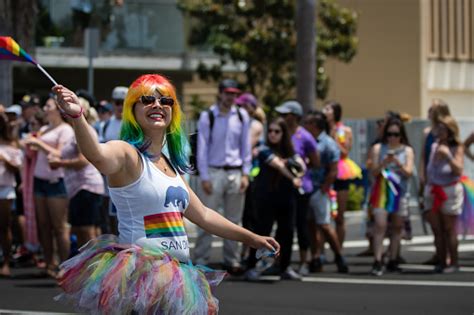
column 386, row 192
column 10, row 50
column 166, row 224
column 467, row 216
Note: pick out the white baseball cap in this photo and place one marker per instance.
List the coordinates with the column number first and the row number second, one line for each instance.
column 119, row 93
column 14, row 109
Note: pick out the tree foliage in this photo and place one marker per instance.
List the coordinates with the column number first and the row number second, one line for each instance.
column 262, row 35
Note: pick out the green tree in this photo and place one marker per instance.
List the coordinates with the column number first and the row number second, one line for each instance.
column 261, row 34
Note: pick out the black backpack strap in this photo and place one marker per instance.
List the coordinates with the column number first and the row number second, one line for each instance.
column 239, row 113
column 210, row 114
column 104, row 128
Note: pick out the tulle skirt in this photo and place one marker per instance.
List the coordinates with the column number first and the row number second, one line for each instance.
column 348, row 169
column 111, row 278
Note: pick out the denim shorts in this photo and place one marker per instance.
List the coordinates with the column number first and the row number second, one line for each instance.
column 320, row 208
column 47, row 189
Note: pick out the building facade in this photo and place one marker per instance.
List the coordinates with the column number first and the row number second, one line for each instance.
column 410, row 52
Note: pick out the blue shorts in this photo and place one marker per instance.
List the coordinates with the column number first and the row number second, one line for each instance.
column 320, row 208
column 46, row 189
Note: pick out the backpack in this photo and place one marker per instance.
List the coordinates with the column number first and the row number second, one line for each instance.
column 193, row 138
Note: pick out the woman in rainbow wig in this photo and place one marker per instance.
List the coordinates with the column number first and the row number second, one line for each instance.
column 346, row 168
column 392, row 166
column 444, row 191
column 146, row 269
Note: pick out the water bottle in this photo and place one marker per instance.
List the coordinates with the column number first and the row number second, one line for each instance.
column 333, row 201
column 266, row 259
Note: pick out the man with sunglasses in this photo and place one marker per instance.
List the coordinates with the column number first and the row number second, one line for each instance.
column 224, row 162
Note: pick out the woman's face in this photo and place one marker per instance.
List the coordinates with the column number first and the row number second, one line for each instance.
column 393, row 135
column 50, row 109
column 441, row 132
column 249, row 108
column 152, row 112
column 430, row 113
column 328, row 112
column 275, row 133
column 34, row 124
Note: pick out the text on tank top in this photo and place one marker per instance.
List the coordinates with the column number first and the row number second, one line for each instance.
column 150, row 211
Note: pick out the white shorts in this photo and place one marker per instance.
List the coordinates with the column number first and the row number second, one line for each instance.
column 7, row 192
column 320, row 207
column 453, row 205
column 402, row 208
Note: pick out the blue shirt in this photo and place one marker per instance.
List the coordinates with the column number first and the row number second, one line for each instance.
column 229, row 144
column 329, row 153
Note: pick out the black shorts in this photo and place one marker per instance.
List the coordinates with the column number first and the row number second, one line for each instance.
column 340, row 184
column 84, row 208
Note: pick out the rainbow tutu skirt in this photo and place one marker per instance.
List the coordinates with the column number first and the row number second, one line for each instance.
column 111, row 278
column 348, row 169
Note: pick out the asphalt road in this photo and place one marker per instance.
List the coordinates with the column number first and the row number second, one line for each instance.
column 416, row 290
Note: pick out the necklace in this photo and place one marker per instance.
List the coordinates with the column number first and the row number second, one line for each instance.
column 163, row 164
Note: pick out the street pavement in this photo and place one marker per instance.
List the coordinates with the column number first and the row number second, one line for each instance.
column 416, row 290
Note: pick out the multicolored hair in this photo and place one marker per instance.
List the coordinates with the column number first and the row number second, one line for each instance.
column 132, row 133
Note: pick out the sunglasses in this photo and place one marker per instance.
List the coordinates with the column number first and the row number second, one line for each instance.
column 275, row 131
column 151, row 99
column 393, row 134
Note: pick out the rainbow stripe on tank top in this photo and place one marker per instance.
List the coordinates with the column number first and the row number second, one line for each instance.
column 166, row 224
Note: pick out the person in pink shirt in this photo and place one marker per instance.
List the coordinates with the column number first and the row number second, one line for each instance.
column 84, row 185
column 49, row 189
column 10, row 161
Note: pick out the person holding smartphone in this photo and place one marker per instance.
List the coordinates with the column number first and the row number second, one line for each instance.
column 392, row 166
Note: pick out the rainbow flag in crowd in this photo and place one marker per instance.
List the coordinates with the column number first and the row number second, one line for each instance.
column 9, row 49
column 386, row 192
column 167, row 224
column 467, row 216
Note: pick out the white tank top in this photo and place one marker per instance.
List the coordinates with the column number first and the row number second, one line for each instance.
column 150, row 211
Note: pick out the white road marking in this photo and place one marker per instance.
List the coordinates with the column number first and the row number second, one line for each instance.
column 462, row 248
column 390, row 282
column 416, row 240
column 428, row 267
column 20, row 312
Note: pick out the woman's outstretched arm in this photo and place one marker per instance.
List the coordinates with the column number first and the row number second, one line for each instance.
column 214, row 223
column 108, row 158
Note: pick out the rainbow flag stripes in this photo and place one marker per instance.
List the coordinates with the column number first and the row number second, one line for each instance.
column 9, row 49
column 385, row 193
column 166, row 224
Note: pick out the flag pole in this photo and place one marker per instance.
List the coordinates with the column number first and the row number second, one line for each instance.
column 46, row 74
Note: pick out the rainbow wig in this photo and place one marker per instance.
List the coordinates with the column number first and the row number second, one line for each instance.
column 132, row 133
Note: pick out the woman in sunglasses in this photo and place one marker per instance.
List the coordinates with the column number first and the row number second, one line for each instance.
column 146, row 270
column 275, row 195
column 444, row 193
column 392, row 165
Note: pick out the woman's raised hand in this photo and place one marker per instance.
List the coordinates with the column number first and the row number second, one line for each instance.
column 67, row 100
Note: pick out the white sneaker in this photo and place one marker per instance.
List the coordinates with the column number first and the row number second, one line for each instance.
column 303, row 271
column 252, row 275
column 290, row 274
column 451, row 269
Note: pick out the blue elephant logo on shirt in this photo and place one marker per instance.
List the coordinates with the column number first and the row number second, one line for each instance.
column 177, row 196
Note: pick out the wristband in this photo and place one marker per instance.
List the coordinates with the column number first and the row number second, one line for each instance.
column 75, row 116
